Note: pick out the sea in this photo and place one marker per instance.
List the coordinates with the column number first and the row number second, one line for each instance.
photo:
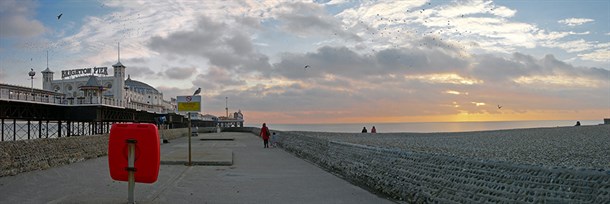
column 426, row 127
column 413, row 127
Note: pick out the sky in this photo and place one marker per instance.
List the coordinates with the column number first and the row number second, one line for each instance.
column 333, row 61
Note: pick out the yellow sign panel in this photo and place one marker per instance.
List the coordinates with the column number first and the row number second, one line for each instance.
column 189, row 106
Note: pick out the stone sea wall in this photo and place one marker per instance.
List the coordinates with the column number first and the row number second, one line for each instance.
column 426, row 177
column 29, row 155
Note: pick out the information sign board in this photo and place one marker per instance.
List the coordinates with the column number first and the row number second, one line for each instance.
column 189, row 103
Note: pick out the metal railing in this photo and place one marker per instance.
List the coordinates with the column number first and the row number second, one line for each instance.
column 19, row 94
column 13, row 129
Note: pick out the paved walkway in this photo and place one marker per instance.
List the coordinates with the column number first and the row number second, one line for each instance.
column 257, row 176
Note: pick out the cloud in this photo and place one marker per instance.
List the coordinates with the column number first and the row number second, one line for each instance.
column 201, row 41
column 575, row 21
column 399, row 22
column 445, row 79
column 336, row 2
column 180, row 73
column 554, row 35
column 558, row 81
column 570, row 46
column 525, row 69
column 222, row 44
column 342, row 61
column 325, row 60
column 174, row 91
column 217, row 79
column 428, row 81
column 16, row 19
column 421, row 79
column 600, row 55
column 306, row 19
column 139, row 72
column 136, row 60
column 470, row 7
column 398, row 59
column 457, row 23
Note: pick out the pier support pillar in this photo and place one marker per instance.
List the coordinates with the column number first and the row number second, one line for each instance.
column 59, row 128
column 68, row 128
column 14, row 129
column 40, row 129
column 29, row 129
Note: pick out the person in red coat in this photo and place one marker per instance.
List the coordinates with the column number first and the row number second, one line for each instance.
column 265, row 135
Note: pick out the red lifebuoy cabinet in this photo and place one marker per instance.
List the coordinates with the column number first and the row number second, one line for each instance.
column 147, row 152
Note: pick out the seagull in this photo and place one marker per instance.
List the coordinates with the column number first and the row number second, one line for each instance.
column 197, row 91
column 307, row 66
column 58, row 17
column 499, row 107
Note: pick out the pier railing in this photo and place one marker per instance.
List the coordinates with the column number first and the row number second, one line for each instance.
column 27, row 113
column 13, row 129
column 17, row 93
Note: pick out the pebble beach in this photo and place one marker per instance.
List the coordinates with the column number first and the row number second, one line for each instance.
column 580, row 147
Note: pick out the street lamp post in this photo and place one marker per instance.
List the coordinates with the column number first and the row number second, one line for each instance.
column 31, row 74
column 190, row 134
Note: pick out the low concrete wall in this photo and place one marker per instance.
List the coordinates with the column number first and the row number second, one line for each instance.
column 253, row 130
column 423, row 178
column 206, row 129
column 29, row 155
column 173, row 133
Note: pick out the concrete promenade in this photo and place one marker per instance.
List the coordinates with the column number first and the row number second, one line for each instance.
column 257, row 175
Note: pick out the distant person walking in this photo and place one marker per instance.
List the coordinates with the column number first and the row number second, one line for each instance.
column 373, row 130
column 364, row 130
column 265, row 135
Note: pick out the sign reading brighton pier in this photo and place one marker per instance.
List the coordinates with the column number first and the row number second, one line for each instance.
column 94, row 70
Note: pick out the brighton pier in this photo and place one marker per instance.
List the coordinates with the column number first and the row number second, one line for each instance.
column 87, row 102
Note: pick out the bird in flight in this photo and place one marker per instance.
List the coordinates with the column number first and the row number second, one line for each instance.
column 307, row 66
column 197, row 91
column 499, row 107
column 58, row 17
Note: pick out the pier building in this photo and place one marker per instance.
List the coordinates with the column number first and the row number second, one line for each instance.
column 87, row 101
column 94, row 84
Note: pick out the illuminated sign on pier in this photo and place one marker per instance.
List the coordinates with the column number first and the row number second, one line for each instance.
column 84, row 71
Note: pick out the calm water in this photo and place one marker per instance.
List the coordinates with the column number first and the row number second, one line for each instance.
column 426, row 127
